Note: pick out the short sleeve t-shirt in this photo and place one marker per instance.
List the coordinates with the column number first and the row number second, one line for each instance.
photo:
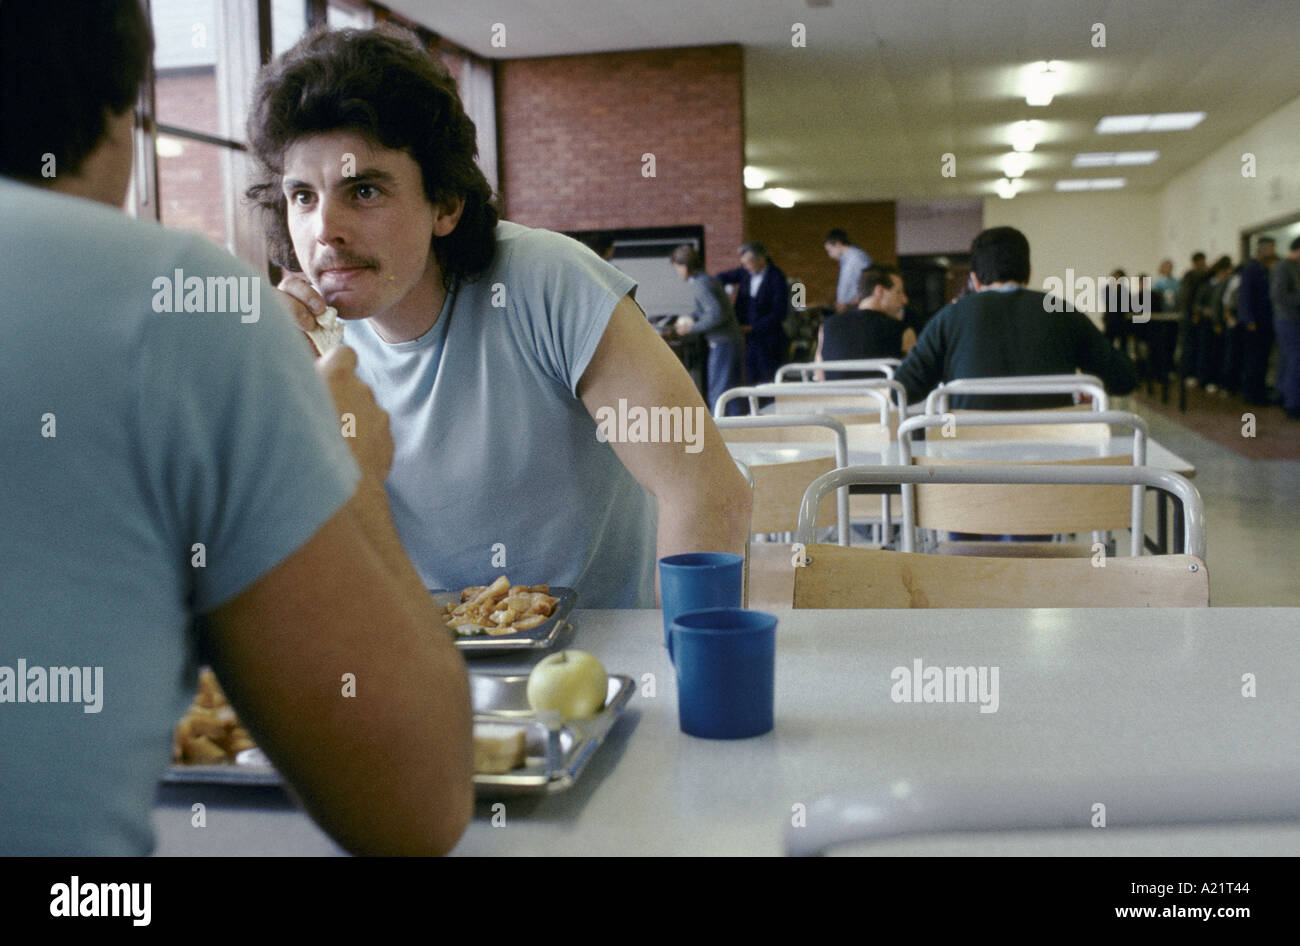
column 155, row 465
column 498, row 469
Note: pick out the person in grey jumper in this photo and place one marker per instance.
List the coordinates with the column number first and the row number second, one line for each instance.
column 713, row 317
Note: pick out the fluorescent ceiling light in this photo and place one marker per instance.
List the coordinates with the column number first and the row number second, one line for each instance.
column 1092, row 184
column 781, row 197
column 1110, row 159
column 1165, row 121
column 1026, row 135
column 1006, row 187
column 1176, row 121
column 1042, row 83
column 755, row 179
column 1124, row 158
column 1015, row 164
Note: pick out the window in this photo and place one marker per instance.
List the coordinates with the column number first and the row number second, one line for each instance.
column 192, row 162
column 205, row 62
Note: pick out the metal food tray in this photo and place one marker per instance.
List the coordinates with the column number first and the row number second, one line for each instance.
column 540, row 637
column 557, row 749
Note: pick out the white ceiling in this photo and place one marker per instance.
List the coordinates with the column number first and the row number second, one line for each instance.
column 884, row 88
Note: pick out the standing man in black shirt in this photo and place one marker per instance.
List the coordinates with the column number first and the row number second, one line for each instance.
column 1003, row 329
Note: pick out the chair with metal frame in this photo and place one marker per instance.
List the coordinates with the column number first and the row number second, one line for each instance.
column 828, row 576
column 823, row 397
column 936, row 402
column 862, row 434
column 778, row 490
column 886, row 366
column 749, row 478
column 779, row 487
column 1018, row 510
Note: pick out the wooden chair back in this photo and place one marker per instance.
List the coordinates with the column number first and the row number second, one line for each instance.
column 1020, row 509
column 836, row 577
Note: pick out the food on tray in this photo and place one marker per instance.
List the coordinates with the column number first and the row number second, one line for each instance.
column 500, row 608
column 497, row 750
column 572, row 682
column 209, row 732
column 329, row 332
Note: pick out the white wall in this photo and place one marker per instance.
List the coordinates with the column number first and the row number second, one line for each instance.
column 1206, row 207
column 1090, row 233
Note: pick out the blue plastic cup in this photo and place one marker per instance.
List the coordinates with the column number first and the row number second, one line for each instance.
column 726, row 672
column 696, row 580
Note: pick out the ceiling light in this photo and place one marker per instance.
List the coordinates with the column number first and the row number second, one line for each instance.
column 1015, row 164
column 1131, row 124
column 1176, row 121
column 1026, row 135
column 755, row 179
column 781, row 197
column 1110, row 159
column 1092, row 184
column 1136, row 157
column 1042, row 83
column 1006, row 187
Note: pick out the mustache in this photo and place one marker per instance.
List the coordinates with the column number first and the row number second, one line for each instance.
column 342, row 261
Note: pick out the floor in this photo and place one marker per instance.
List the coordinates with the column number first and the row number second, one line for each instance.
column 1252, row 511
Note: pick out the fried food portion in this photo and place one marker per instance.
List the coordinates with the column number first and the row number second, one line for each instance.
column 500, row 608
column 209, row 732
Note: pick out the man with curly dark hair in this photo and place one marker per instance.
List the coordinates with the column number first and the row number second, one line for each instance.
column 495, row 349
column 156, row 513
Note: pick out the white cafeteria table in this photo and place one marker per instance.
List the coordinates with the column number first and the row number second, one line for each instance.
column 1087, row 694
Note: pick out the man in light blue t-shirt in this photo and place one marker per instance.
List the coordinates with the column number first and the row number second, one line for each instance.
column 494, row 348
column 175, row 480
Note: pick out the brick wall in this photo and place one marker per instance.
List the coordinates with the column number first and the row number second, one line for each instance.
column 189, row 185
column 794, row 239
column 573, row 130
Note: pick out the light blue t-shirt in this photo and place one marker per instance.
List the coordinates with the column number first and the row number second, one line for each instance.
column 128, row 435
column 853, row 263
column 497, row 459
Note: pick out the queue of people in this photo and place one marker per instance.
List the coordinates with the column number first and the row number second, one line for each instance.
column 1231, row 319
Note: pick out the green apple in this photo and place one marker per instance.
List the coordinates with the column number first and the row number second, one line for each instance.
column 571, row 682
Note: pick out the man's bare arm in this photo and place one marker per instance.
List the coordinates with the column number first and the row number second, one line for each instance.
column 704, row 501
column 388, row 770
